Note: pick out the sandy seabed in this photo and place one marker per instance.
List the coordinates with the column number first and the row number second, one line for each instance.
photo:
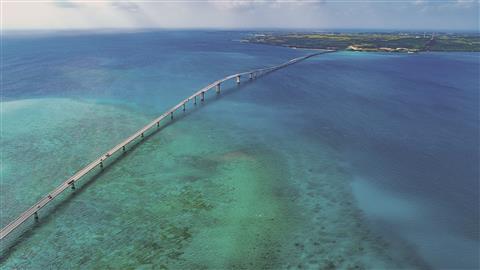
column 198, row 195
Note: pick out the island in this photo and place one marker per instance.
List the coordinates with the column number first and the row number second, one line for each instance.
column 407, row 42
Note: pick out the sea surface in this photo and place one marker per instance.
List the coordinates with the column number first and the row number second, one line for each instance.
column 343, row 161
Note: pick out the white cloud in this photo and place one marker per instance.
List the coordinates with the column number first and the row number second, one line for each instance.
column 126, row 6
column 235, row 5
column 237, row 14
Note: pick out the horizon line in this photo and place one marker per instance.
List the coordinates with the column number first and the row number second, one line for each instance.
column 127, row 29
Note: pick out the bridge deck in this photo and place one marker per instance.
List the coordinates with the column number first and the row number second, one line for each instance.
column 140, row 133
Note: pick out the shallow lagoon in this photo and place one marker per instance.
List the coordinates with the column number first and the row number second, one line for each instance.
column 279, row 173
column 210, row 200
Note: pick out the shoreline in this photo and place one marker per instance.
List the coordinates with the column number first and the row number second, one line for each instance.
column 407, row 42
column 360, row 50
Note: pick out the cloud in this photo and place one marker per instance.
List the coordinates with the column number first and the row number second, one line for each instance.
column 66, row 4
column 234, row 5
column 424, row 14
column 126, row 6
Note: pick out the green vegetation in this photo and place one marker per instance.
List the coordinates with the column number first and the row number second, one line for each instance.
column 390, row 42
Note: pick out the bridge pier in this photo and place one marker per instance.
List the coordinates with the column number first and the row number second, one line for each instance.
column 101, row 164
column 217, row 88
column 238, row 79
column 35, row 215
column 123, row 148
column 250, row 76
column 195, row 100
column 158, row 125
column 73, row 185
column 183, row 106
column 203, row 96
column 171, row 115
column 142, row 135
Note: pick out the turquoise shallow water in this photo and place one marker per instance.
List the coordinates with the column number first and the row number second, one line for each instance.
column 346, row 160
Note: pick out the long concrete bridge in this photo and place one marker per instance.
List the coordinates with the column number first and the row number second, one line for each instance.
column 100, row 162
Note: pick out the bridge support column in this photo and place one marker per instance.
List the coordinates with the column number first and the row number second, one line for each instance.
column 203, row 96
column 35, row 215
column 218, row 88
column 73, row 185
column 123, row 148
column 238, row 79
column 101, row 164
column 183, row 106
column 171, row 115
column 142, row 135
column 195, row 100
column 158, row 124
column 250, row 76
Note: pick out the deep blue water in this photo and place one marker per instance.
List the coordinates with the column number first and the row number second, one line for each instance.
column 406, row 127
column 409, row 125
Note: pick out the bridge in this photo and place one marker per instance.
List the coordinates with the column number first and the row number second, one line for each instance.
column 100, row 162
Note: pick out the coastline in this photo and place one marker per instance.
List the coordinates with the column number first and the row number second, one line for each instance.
column 387, row 50
column 409, row 42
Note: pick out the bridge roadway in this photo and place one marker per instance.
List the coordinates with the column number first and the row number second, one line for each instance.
column 70, row 182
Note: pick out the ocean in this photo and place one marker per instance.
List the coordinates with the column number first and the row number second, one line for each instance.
column 346, row 160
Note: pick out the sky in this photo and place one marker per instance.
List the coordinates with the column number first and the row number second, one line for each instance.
column 235, row 14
